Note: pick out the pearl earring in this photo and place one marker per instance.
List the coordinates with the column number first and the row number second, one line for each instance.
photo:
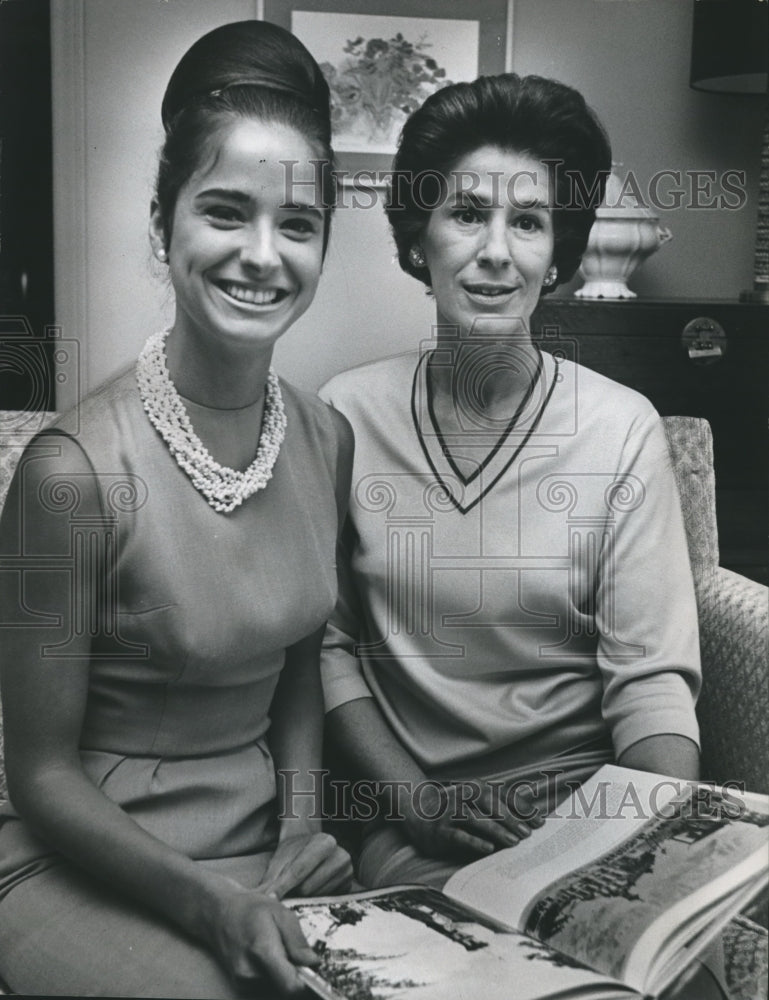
column 417, row 257
column 162, row 255
column 550, row 276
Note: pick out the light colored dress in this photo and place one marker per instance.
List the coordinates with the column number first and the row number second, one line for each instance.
column 182, row 676
column 528, row 621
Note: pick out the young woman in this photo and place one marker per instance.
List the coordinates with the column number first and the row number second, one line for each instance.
column 518, row 606
column 176, row 549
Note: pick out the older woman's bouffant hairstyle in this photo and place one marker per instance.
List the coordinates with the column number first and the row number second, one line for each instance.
column 534, row 115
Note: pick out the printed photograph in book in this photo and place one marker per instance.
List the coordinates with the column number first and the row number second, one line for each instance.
column 599, row 912
column 415, row 942
column 618, row 894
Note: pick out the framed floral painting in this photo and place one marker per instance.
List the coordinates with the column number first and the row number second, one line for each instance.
column 382, row 59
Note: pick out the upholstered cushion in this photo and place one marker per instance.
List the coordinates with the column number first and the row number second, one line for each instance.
column 733, row 709
column 16, row 429
column 691, row 448
column 745, row 956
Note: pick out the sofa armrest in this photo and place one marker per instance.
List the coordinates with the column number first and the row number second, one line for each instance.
column 745, row 958
column 734, row 705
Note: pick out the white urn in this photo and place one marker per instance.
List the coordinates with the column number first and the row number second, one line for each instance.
column 621, row 237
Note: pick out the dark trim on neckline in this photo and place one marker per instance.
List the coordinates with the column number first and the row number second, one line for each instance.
column 500, row 441
column 503, row 436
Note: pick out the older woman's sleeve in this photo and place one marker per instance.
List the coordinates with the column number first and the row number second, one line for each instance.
column 646, row 610
column 341, row 672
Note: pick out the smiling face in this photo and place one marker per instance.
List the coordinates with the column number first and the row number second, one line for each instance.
column 488, row 245
column 246, row 246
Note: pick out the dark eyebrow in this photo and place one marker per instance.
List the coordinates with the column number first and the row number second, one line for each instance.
column 463, row 199
column 229, row 193
column 241, row 198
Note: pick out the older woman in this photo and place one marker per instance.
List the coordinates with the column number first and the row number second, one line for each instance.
column 517, row 606
column 172, row 554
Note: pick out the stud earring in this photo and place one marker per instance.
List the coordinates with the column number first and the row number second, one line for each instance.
column 162, row 255
column 417, row 257
column 550, row 276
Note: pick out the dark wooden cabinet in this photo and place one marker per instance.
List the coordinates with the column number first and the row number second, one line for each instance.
column 697, row 358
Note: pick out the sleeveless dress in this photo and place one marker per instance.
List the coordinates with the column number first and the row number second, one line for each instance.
column 199, row 609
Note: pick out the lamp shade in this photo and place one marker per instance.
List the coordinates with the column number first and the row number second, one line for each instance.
column 730, row 46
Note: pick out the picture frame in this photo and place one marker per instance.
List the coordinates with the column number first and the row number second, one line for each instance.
column 428, row 42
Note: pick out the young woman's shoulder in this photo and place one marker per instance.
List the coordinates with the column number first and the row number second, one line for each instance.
column 102, row 406
column 325, row 427
column 57, row 466
column 53, row 483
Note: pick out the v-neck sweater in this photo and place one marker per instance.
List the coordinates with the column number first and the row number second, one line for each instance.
column 530, row 611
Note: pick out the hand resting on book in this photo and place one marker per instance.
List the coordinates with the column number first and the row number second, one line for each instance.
column 468, row 819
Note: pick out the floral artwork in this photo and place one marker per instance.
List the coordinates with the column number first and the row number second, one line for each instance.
column 379, row 83
column 381, row 68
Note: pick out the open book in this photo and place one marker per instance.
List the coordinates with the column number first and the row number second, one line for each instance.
column 614, row 896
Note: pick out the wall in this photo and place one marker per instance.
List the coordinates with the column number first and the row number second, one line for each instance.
column 630, row 58
column 111, row 62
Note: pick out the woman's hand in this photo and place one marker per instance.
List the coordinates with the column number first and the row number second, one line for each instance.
column 254, row 935
column 468, row 819
column 307, row 864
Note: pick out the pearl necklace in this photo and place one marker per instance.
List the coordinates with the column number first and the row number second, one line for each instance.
column 224, row 488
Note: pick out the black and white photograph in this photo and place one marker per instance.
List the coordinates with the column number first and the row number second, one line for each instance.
column 383, row 477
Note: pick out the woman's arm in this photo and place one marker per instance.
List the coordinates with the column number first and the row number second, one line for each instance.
column 44, row 698
column 665, row 753
column 307, row 861
column 458, row 821
column 647, row 615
